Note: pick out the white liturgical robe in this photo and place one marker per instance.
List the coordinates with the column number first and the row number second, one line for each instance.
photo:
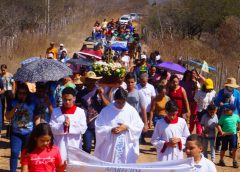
column 72, row 137
column 162, row 134
column 118, row 148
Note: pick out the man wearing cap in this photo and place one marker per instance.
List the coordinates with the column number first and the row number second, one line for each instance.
column 60, row 49
column 92, row 100
column 52, row 50
column 143, row 66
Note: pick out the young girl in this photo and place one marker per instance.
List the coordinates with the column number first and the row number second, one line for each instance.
column 40, row 153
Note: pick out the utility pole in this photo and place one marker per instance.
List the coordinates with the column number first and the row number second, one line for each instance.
column 47, row 16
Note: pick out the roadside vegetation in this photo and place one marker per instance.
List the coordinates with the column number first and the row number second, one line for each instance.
column 195, row 29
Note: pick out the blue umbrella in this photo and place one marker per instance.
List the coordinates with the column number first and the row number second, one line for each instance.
column 172, row 67
column 119, row 46
column 200, row 64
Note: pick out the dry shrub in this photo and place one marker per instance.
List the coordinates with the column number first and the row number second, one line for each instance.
column 72, row 31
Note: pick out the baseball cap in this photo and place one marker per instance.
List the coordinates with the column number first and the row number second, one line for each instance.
column 143, row 56
column 61, row 45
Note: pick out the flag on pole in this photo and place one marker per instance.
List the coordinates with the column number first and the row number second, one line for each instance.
column 205, row 67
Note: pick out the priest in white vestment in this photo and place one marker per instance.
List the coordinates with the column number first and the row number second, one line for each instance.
column 118, row 128
column 170, row 134
column 68, row 123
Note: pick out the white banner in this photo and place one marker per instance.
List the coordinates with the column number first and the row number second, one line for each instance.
column 79, row 161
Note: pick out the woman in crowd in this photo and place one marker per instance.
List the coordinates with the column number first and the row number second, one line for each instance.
column 158, row 110
column 190, row 86
column 21, row 113
column 136, row 98
column 154, row 77
column 198, row 78
column 204, row 97
column 9, row 87
column 179, row 95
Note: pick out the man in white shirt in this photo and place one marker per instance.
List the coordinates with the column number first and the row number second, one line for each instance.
column 194, row 148
column 147, row 90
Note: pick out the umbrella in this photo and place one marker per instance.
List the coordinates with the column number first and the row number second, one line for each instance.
column 92, row 53
column 191, row 62
column 42, row 70
column 29, row 60
column 81, row 61
column 172, row 67
column 119, row 46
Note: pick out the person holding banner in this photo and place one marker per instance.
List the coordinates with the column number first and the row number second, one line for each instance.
column 170, row 134
column 68, row 123
column 118, row 128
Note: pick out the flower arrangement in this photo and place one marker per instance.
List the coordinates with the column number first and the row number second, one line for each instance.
column 109, row 69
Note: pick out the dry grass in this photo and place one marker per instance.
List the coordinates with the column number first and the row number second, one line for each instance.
column 72, row 35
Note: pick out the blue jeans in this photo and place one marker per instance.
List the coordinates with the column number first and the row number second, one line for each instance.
column 205, row 147
column 17, row 143
column 88, row 136
column 1, row 116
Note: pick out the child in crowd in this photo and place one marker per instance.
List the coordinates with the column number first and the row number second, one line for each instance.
column 226, row 99
column 209, row 123
column 228, row 129
column 194, row 148
column 170, row 134
column 40, row 153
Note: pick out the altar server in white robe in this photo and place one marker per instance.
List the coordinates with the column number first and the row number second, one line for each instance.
column 170, row 134
column 118, row 128
column 68, row 123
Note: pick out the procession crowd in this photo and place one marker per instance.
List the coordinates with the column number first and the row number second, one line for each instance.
column 48, row 117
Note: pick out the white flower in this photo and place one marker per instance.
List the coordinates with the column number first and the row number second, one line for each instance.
column 118, row 70
column 101, row 63
column 113, row 68
column 118, row 65
column 105, row 68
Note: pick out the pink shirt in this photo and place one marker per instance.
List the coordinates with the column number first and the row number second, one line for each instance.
column 42, row 160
